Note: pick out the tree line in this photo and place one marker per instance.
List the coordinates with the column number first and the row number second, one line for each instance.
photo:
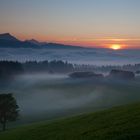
column 55, row 66
column 8, row 69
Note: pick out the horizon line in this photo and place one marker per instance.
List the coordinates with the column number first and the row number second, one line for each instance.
column 63, row 42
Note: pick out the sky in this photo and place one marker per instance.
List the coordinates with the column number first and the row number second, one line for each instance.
column 77, row 22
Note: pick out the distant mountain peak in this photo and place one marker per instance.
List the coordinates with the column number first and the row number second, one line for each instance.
column 34, row 41
column 8, row 36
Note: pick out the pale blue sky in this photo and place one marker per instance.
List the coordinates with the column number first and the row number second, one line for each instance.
column 70, row 20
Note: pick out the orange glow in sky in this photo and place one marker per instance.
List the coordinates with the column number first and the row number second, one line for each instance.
column 108, row 42
column 116, row 46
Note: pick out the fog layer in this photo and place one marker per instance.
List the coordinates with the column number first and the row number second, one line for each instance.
column 43, row 96
column 78, row 56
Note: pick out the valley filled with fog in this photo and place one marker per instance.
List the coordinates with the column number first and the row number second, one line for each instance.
column 44, row 90
column 50, row 96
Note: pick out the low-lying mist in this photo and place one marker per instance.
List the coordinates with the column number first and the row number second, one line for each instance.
column 92, row 56
column 44, row 96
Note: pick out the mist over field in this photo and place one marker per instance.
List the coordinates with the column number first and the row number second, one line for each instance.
column 48, row 96
column 78, row 56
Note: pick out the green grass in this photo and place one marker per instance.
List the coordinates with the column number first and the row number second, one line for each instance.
column 118, row 123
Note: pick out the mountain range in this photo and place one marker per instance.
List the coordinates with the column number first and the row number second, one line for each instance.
column 9, row 41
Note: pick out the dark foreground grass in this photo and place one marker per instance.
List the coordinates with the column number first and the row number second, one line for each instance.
column 119, row 123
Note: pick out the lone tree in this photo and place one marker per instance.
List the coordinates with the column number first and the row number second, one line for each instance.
column 8, row 109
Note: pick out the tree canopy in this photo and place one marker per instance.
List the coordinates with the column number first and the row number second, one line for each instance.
column 8, row 109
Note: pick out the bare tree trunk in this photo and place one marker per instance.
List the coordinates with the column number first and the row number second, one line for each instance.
column 4, row 126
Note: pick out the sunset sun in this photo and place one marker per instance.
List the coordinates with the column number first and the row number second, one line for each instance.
column 115, row 46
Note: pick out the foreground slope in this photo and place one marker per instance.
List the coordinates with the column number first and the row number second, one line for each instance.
column 114, row 124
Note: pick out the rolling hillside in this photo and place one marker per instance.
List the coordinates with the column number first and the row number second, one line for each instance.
column 118, row 123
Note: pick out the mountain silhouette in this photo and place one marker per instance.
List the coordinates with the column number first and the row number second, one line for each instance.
column 8, row 37
column 35, row 42
column 9, row 41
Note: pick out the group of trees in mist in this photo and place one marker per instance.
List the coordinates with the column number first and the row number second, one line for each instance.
column 107, row 68
column 8, row 69
column 48, row 66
